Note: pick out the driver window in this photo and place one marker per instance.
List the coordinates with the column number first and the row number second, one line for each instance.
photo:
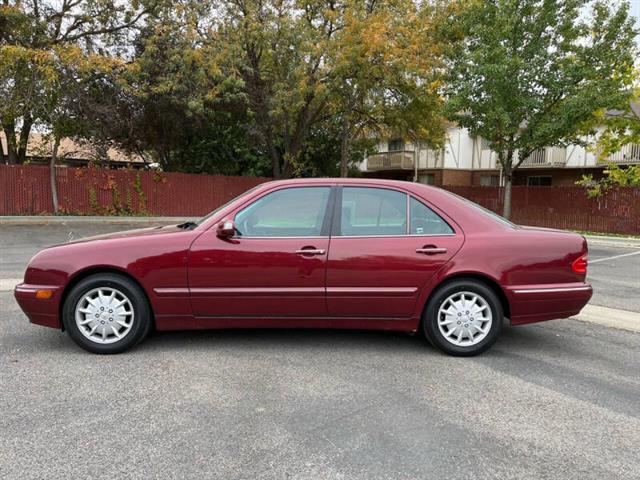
column 424, row 221
column 291, row 212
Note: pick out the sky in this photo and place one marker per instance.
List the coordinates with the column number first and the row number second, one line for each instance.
column 635, row 9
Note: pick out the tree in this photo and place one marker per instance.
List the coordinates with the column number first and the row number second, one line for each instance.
column 528, row 74
column 614, row 176
column 30, row 33
column 622, row 127
column 278, row 50
column 384, row 66
column 180, row 108
column 72, row 88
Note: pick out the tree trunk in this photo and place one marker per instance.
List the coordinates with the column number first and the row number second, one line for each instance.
column 25, row 131
column 12, row 150
column 2, row 157
column 508, row 180
column 344, row 148
column 52, row 174
column 275, row 156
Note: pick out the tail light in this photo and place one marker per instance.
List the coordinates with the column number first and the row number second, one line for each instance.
column 579, row 265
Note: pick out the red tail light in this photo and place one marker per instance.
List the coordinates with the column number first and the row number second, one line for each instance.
column 579, row 265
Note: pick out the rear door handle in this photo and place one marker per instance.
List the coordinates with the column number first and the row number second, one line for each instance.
column 431, row 250
column 310, row 251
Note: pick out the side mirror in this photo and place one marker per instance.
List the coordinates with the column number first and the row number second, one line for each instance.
column 226, row 229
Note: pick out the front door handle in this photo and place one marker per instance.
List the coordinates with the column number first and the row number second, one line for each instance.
column 431, row 250
column 310, row 251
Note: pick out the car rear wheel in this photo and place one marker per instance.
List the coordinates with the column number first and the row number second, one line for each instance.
column 463, row 318
column 106, row 313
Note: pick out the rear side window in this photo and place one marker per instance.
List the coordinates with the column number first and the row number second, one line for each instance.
column 424, row 221
column 291, row 212
column 367, row 211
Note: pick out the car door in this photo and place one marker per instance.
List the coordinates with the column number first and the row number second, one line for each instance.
column 385, row 246
column 276, row 263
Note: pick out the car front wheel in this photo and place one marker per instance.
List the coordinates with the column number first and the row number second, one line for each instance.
column 106, row 313
column 463, row 318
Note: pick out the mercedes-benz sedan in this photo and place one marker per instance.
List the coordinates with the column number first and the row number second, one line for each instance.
column 322, row 253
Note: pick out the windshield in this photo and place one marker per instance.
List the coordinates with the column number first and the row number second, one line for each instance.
column 212, row 213
column 485, row 211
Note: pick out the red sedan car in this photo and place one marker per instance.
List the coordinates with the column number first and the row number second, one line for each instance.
column 366, row 254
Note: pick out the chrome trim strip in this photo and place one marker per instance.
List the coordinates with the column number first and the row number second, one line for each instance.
column 371, row 289
column 242, row 237
column 352, row 236
column 168, row 291
column 397, row 236
column 28, row 288
column 285, row 290
column 553, row 290
column 257, row 290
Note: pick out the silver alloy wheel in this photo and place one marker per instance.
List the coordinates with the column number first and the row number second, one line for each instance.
column 104, row 315
column 464, row 319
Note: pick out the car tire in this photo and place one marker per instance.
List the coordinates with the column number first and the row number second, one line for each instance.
column 463, row 318
column 107, row 313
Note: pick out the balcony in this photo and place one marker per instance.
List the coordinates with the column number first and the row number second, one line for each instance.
column 628, row 154
column 396, row 160
column 547, row 157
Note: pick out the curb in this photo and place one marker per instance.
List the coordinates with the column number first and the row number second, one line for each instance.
column 613, row 241
column 68, row 220
column 610, row 317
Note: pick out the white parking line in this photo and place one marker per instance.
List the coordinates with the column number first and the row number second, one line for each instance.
column 613, row 258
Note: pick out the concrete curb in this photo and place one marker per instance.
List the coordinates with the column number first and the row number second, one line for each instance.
column 69, row 220
column 610, row 317
column 613, row 241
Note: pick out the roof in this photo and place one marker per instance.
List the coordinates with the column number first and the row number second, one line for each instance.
column 41, row 145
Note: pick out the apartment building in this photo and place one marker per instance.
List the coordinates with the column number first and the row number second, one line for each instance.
column 466, row 160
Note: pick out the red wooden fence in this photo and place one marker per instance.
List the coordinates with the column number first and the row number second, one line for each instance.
column 567, row 208
column 25, row 190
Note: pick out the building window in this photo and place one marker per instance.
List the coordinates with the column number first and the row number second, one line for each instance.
column 396, row 145
column 427, row 179
column 489, row 180
column 539, row 181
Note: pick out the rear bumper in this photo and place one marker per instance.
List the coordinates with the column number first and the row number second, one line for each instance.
column 537, row 303
column 39, row 310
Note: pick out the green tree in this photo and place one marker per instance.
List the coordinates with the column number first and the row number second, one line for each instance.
column 622, row 127
column 34, row 32
column 181, row 109
column 614, row 176
column 527, row 74
column 278, row 50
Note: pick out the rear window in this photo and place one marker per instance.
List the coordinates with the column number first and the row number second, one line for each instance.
column 485, row 211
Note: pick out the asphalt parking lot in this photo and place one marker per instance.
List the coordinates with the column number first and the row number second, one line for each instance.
column 553, row 400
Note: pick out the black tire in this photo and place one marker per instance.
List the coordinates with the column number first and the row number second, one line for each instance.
column 140, row 324
column 430, row 318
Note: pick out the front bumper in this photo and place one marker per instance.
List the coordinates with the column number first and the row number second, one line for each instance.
column 41, row 311
column 536, row 303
